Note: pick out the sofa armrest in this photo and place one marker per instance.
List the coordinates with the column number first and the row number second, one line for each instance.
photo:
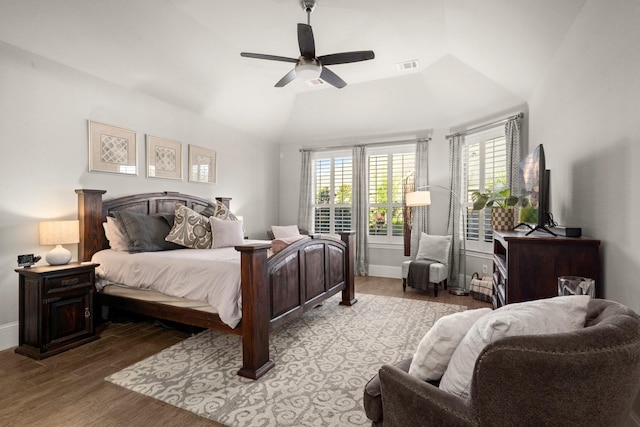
column 407, row 400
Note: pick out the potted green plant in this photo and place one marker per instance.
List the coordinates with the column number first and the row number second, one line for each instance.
column 502, row 205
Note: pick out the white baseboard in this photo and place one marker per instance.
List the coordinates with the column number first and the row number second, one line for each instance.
column 389, row 271
column 9, row 335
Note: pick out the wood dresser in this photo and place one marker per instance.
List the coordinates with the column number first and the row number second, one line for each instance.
column 527, row 267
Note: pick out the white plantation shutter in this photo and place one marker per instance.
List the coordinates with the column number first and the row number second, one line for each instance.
column 387, row 172
column 485, row 168
column 378, row 194
column 333, row 193
column 403, row 166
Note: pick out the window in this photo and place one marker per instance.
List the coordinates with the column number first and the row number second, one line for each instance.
column 388, row 167
column 484, row 168
column 332, row 184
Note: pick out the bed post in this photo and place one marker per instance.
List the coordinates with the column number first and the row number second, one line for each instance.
column 90, row 218
column 349, row 292
column 256, row 310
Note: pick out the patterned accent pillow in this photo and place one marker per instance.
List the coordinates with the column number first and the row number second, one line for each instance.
column 223, row 212
column 190, row 229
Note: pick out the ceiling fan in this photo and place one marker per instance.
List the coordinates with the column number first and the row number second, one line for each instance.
column 308, row 65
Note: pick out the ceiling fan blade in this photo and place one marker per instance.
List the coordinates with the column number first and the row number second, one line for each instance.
column 332, row 78
column 305, row 41
column 346, row 57
column 269, row 57
column 288, row 78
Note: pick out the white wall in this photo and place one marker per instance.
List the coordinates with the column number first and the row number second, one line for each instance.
column 44, row 108
column 585, row 112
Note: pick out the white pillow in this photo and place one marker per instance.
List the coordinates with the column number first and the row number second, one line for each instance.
column 114, row 234
column 226, row 233
column 434, row 248
column 284, row 231
column 436, row 348
column 545, row 316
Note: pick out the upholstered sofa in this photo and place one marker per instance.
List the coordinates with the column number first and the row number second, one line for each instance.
column 589, row 377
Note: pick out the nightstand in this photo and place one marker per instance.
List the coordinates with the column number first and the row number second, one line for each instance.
column 55, row 308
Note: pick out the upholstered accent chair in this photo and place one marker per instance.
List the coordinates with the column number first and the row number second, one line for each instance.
column 431, row 248
column 588, row 377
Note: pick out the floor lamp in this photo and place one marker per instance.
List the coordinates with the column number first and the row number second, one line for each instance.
column 421, row 197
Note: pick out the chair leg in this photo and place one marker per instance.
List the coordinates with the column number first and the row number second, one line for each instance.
column 404, row 284
column 445, row 283
column 435, row 289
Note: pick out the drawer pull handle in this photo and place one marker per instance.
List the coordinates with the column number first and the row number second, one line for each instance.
column 69, row 282
column 87, row 313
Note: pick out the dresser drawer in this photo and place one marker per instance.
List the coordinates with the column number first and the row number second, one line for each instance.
column 67, row 282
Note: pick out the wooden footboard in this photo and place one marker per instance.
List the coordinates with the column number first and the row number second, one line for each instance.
column 285, row 286
column 274, row 290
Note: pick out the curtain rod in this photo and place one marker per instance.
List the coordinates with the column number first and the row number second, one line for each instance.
column 339, row 147
column 485, row 126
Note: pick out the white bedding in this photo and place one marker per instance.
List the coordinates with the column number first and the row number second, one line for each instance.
column 211, row 275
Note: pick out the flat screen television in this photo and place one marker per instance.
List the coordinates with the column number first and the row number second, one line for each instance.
column 534, row 192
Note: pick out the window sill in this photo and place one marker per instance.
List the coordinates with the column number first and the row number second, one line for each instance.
column 380, row 245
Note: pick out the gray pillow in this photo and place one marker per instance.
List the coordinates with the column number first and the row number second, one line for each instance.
column 434, row 248
column 146, row 233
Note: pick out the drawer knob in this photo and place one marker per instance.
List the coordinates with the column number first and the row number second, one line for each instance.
column 87, row 312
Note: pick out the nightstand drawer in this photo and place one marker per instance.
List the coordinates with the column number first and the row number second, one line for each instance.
column 70, row 281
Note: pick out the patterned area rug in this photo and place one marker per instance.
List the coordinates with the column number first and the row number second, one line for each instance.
column 323, row 361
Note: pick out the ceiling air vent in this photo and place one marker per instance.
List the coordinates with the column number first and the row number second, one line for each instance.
column 408, row 65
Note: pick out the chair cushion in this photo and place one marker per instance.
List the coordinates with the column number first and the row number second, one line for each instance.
column 435, row 248
column 545, row 316
column 438, row 345
column 437, row 272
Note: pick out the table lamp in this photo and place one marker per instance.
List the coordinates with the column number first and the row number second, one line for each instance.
column 59, row 233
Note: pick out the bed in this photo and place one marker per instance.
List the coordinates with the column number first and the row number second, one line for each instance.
column 274, row 289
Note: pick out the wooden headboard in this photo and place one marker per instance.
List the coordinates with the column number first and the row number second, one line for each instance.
column 93, row 211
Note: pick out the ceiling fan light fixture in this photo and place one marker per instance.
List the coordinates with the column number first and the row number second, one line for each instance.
column 308, row 71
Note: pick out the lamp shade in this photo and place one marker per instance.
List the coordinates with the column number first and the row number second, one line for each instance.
column 59, row 232
column 418, row 198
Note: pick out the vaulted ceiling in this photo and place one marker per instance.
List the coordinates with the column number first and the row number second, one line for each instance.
column 476, row 57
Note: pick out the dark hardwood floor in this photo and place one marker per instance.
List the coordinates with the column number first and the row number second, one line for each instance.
column 68, row 389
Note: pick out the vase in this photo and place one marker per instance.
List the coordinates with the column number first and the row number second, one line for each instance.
column 503, row 219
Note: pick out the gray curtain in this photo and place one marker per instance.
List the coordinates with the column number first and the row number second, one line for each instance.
column 305, row 203
column 456, row 217
column 512, row 131
column 419, row 220
column 360, row 210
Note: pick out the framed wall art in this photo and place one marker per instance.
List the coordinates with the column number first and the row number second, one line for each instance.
column 164, row 158
column 202, row 165
column 112, row 149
